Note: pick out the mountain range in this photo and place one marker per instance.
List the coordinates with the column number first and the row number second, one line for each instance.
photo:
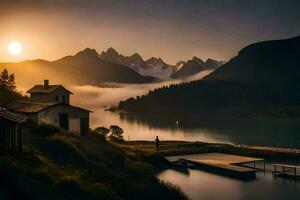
column 262, row 78
column 156, row 67
column 85, row 67
column 88, row 67
column 194, row 66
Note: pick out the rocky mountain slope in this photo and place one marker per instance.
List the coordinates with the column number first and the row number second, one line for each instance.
column 156, row 67
column 85, row 67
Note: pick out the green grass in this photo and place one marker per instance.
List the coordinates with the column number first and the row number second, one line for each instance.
column 59, row 165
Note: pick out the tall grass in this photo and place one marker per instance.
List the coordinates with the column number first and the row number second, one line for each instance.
column 60, row 165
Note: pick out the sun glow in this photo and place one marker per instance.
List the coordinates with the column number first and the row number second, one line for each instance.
column 14, row 48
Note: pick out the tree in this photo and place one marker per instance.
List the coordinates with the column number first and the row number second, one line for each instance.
column 116, row 133
column 4, row 77
column 11, row 81
column 102, row 131
column 7, row 80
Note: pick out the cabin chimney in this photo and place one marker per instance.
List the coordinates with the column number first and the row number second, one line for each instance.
column 46, row 84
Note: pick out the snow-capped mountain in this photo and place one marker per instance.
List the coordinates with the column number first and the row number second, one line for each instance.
column 156, row 67
column 194, row 66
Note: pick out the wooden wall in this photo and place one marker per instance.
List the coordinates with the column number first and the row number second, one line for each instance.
column 10, row 136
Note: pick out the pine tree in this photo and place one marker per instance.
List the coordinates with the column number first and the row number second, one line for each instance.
column 11, row 82
column 7, row 80
column 4, row 77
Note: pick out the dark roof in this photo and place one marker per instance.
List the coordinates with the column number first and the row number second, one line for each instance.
column 49, row 89
column 28, row 106
column 34, row 107
column 4, row 113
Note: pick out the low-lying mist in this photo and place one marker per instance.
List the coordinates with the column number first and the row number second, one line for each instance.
column 110, row 94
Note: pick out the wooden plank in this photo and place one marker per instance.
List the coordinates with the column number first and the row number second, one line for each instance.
column 223, row 165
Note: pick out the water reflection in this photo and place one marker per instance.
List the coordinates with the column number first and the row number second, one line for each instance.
column 282, row 133
column 203, row 185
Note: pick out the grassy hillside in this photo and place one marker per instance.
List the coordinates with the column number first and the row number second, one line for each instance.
column 57, row 165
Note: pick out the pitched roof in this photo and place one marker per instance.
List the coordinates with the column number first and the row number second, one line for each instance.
column 28, row 106
column 42, row 89
column 34, row 107
column 12, row 116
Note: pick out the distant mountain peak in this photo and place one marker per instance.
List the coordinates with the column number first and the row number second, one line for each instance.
column 179, row 65
column 210, row 59
column 88, row 52
column 198, row 60
column 155, row 60
column 111, row 52
column 136, row 56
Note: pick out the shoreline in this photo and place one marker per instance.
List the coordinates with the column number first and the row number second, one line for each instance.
column 174, row 148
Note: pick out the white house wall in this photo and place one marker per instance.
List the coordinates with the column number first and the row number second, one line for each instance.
column 51, row 116
column 74, row 125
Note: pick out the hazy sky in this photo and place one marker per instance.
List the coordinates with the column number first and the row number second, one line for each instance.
column 171, row 29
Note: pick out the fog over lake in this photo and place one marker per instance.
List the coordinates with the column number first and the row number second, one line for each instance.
column 97, row 98
column 284, row 133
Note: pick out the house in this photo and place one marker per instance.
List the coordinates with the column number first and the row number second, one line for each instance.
column 11, row 138
column 50, row 104
column 49, row 93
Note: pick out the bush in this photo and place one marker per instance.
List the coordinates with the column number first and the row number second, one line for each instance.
column 116, row 133
column 102, row 131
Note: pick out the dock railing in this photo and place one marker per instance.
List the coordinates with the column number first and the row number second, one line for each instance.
column 286, row 170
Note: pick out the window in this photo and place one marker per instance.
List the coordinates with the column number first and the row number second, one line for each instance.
column 63, row 98
column 56, row 98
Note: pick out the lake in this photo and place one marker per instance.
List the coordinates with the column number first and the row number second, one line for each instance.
column 199, row 185
column 279, row 133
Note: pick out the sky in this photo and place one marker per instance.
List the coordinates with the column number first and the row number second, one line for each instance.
column 171, row 29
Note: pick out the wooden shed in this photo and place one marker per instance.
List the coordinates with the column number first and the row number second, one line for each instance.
column 11, row 131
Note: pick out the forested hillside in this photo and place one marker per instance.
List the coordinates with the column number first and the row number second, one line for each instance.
column 264, row 76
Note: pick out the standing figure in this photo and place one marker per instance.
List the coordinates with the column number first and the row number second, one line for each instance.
column 157, row 143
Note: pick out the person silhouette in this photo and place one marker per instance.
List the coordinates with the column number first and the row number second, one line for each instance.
column 157, row 142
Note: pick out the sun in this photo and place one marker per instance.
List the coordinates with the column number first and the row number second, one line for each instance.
column 14, row 48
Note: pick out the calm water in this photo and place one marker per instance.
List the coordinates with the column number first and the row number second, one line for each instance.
column 199, row 185
column 280, row 133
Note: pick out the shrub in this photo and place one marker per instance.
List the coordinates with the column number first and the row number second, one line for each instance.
column 102, row 130
column 116, row 133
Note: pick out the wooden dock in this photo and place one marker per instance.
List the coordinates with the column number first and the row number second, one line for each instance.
column 290, row 171
column 220, row 163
